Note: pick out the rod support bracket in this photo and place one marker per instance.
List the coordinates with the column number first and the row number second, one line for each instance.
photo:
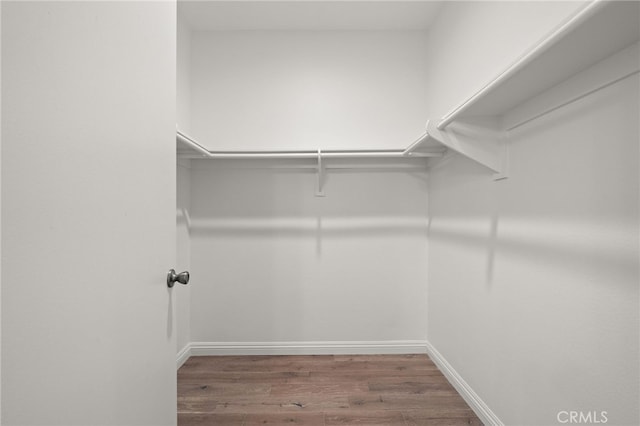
column 320, row 176
column 479, row 139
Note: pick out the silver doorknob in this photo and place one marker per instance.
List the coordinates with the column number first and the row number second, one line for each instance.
column 172, row 277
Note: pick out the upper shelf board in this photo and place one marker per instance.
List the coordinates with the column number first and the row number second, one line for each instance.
column 190, row 148
column 598, row 31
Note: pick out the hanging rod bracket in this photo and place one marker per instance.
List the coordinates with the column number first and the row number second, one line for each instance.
column 320, row 176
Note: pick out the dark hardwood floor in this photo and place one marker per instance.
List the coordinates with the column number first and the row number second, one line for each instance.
column 319, row 390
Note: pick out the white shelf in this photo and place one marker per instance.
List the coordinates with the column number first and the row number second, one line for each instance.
column 598, row 31
column 190, row 148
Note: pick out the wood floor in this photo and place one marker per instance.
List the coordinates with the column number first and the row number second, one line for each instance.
column 319, row 390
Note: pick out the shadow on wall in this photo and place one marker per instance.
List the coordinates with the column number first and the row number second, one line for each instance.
column 568, row 244
column 320, row 228
column 306, row 227
column 368, row 201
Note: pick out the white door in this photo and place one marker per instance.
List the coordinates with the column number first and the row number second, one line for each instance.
column 88, row 213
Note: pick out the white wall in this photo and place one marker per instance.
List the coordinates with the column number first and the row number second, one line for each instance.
column 288, row 90
column 533, row 281
column 273, row 263
column 548, row 295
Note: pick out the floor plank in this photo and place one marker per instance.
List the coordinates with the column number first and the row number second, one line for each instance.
column 323, row 390
column 440, row 419
column 371, row 418
column 313, row 419
column 208, row 419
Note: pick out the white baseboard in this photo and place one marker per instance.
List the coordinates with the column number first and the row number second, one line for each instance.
column 481, row 409
column 184, row 355
column 308, row 348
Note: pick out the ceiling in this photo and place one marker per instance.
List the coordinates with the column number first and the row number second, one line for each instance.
column 319, row 15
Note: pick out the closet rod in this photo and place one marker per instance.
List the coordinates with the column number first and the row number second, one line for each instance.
column 572, row 100
column 410, row 150
column 313, row 168
column 525, row 60
column 389, row 153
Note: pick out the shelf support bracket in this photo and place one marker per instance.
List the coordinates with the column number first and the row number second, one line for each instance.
column 477, row 139
column 320, row 176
